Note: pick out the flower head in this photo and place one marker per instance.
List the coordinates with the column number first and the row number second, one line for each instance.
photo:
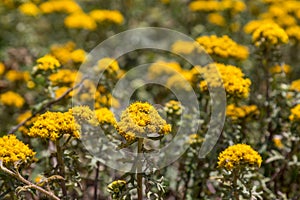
column 140, row 119
column 29, row 9
column 12, row 150
column 83, row 114
column 242, row 112
column 295, row 113
column 116, row 188
column 238, row 155
column 11, row 98
column 269, row 33
column 105, row 116
column 47, row 62
column 53, row 125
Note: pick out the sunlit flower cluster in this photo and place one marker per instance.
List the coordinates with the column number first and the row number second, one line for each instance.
column 295, row 85
column 64, row 6
column 108, row 65
column 213, row 5
column 29, row 9
column 24, row 116
column 277, row 69
column 295, row 113
column 195, row 139
column 13, row 150
column 233, row 79
column 183, row 47
column 116, row 188
column 84, row 115
column 162, row 68
column 47, row 62
column 105, row 116
column 53, row 125
column 14, row 75
column 173, row 108
column 238, row 155
column 80, row 20
column 223, row 47
column 241, row 112
column 140, row 119
column 269, row 33
column 113, row 16
column 217, row 19
column 11, row 98
column 2, row 68
column 66, row 53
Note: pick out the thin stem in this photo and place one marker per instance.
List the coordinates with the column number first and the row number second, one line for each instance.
column 139, row 175
column 61, row 166
column 18, row 176
column 96, row 181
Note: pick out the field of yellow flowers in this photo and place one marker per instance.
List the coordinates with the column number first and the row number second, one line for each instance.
column 158, row 99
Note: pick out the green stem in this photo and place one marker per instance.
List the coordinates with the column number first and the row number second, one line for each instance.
column 61, row 166
column 139, row 175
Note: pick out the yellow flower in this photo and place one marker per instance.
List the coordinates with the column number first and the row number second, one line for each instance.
column 24, row 129
column 173, row 107
column 251, row 26
column 64, row 6
column 195, row 139
column 293, row 32
column 113, row 16
column 83, row 114
column 233, row 79
column 161, row 68
column 14, row 75
column 63, row 52
column 183, row 47
column 239, row 155
column 78, row 56
column 140, row 119
column 295, row 113
column 277, row 141
column 80, row 20
column 295, row 85
column 108, row 65
column 11, row 98
column 223, row 47
column 277, row 69
column 2, row 68
column 116, row 188
column 235, row 112
column 53, row 125
column 269, row 33
column 29, row 9
column 13, row 150
column 105, row 116
column 206, row 6
column 64, row 77
column 217, row 19
column 47, row 62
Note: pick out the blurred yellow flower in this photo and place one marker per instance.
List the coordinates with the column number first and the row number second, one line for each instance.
column 13, row 150
column 80, row 20
column 223, row 47
column 47, row 62
column 113, row 16
column 281, row 69
column 239, row 155
column 242, row 112
column 105, row 116
column 11, row 98
column 2, row 68
column 78, row 56
column 29, row 9
column 269, row 33
column 295, row 85
column 64, row 6
column 216, row 18
column 295, row 113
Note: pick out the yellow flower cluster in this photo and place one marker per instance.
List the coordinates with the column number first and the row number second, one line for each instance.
column 105, row 116
column 295, row 113
column 29, row 9
column 66, row 53
column 64, row 77
column 277, row 140
column 108, row 65
column 233, row 79
column 64, row 6
column 173, row 108
column 235, row 6
column 161, row 68
column 113, row 16
column 195, row 139
column 183, row 47
column 80, row 20
column 53, row 125
column 13, row 150
column 293, row 32
column 2, row 68
column 242, row 112
column 47, row 62
column 140, row 119
column 277, row 69
column 269, row 33
column 295, row 85
column 238, row 155
column 180, row 81
column 24, row 129
column 223, row 47
column 83, row 115
column 14, row 76
column 11, row 98
column 116, row 187
column 251, row 26
column 217, row 19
